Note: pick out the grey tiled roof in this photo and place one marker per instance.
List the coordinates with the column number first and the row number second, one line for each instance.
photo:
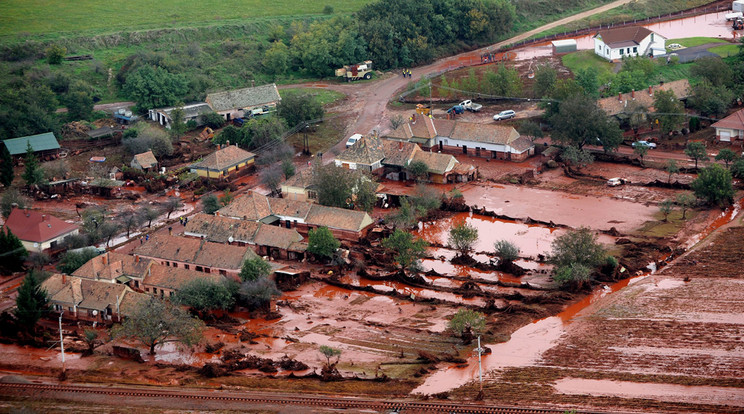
column 244, row 98
column 368, row 150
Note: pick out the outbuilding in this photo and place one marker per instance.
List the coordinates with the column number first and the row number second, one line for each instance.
column 564, row 46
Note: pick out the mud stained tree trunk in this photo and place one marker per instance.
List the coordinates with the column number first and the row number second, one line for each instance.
column 152, row 348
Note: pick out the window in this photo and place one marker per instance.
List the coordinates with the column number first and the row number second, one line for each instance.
column 175, row 264
column 621, row 51
column 635, row 49
column 136, row 283
column 223, row 272
column 71, row 309
column 186, row 266
column 170, row 294
column 199, row 269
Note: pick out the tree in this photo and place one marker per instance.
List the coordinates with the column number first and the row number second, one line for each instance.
column 149, row 214
column 271, row 177
column 671, row 168
column 545, row 77
column 148, row 137
column 6, row 166
column 712, row 69
column 226, row 198
column 713, row 184
column 13, row 198
column 575, row 275
column 504, row 82
column 257, row 294
column 710, row 100
column 210, row 203
column 72, row 261
column 588, row 79
column 530, row 129
column 696, row 151
column 419, row 170
column 506, row 251
column 213, row 120
column 737, row 168
column 462, row 237
column 466, row 323
column 32, row 302
column 408, row 251
column 154, row 322
column 726, row 155
column 38, row 259
column 254, row 269
column 12, row 252
column 107, row 230
column 178, row 122
column 576, row 157
column 685, row 201
column 665, row 207
column 206, row 294
column 297, row 108
column 580, row 122
column 669, row 110
column 577, row 247
column 90, row 337
column 322, row 243
column 32, row 172
column 129, row 219
column 276, row 59
column 397, row 120
column 339, row 187
column 329, row 353
column 171, row 205
column 79, row 103
column 641, row 150
column 288, row 168
column 55, row 53
column 154, row 87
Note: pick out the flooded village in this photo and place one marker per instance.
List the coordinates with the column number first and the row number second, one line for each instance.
column 402, row 248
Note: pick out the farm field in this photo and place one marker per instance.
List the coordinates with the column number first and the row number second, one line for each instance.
column 33, row 17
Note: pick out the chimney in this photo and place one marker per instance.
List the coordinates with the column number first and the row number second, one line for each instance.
column 216, row 213
column 136, row 258
column 632, row 94
column 43, row 217
column 619, row 96
column 227, row 144
column 64, row 278
column 400, row 145
column 413, row 118
column 104, row 259
column 650, row 91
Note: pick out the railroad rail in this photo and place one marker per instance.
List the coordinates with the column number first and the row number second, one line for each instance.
column 53, row 391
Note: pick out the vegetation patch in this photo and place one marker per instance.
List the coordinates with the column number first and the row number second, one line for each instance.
column 694, row 41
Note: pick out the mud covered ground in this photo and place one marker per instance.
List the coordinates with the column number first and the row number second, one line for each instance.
column 669, row 342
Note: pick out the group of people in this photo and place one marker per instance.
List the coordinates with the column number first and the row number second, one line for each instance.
column 406, row 73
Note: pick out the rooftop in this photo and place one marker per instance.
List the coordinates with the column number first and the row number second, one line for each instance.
column 175, row 277
column 111, row 265
column 195, row 251
column 224, row 158
column 33, row 226
column 437, row 163
column 367, row 150
column 146, row 159
column 251, row 206
column 244, row 98
column 733, row 121
column 623, row 36
column 338, row 218
column 39, row 142
column 614, row 105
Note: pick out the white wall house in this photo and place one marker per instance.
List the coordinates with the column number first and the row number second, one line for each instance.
column 731, row 128
column 615, row 44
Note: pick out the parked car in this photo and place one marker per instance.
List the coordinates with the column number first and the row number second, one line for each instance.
column 614, row 182
column 457, row 109
column 650, row 145
column 471, row 106
column 504, row 115
column 353, row 139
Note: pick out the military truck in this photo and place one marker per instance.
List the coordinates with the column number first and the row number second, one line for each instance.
column 355, row 72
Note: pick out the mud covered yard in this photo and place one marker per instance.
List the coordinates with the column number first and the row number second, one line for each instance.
column 669, row 342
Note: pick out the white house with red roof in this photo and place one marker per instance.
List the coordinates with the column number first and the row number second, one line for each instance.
column 617, row 43
column 731, row 128
column 37, row 231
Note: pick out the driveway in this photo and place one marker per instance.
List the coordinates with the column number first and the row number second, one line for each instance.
column 690, row 54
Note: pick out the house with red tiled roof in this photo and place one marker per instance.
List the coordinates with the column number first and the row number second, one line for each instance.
column 145, row 161
column 225, row 161
column 299, row 187
column 617, row 43
column 99, row 301
column 366, row 154
column 115, row 267
column 37, row 231
column 622, row 105
column 251, row 206
column 731, row 128
column 195, row 254
column 165, row 281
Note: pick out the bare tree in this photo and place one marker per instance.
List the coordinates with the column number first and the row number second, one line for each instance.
column 171, row 205
column 149, row 214
column 129, row 220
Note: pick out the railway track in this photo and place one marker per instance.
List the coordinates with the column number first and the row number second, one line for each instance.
column 130, row 394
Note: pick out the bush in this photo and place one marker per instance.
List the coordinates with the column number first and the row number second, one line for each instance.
column 55, row 54
column 72, row 261
column 213, row 120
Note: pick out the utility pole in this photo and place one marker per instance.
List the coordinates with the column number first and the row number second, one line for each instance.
column 431, row 106
column 480, row 351
column 61, row 343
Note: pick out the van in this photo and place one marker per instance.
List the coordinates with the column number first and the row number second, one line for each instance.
column 504, row 115
column 353, row 139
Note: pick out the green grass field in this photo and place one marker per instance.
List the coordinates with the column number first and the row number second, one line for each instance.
column 64, row 17
column 695, row 41
column 324, row 96
column 583, row 59
column 725, row 50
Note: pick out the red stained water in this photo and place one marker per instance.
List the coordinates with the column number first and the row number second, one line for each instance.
column 447, row 268
column 408, row 290
column 725, row 217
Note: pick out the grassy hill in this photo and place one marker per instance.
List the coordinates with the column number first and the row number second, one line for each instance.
column 51, row 18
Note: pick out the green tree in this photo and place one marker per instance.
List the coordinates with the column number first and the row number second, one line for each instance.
column 578, row 246
column 468, row 323
column 12, row 197
column 506, row 250
column 530, row 129
column 685, row 201
column 665, row 207
column 288, row 168
column 254, row 269
column 580, row 122
column 72, row 261
column 154, row 322
column 588, row 79
column 713, row 185
column 562, row 90
column 210, row 203
column 696, row 151
column 737, row 168
column 339, row 187
column 669, row 110
column 712, row 69
column 6, row 166
column 321, row 242
column 419, row 170
column 276, row 59
column 297, row 108
column 641, row 150
column 641, row 64
column 576, row 157
column 12, row 252
column 32, row 302
column 178, row 122
column 575, row 275
column 154, row 87
column 462, row 237
column 207, row 294
column 32, row 173
column 55, row 53
column 79, row 105
column 726, row 155
column 330, row 353
column 504, row 82
column 671, row 168
column 213, row 120
column 408, row 250
column 257, row 294
column 545, row 78
column 710, row 100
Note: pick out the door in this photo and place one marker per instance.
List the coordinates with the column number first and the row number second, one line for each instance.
column 725, row 136
column 464, row 149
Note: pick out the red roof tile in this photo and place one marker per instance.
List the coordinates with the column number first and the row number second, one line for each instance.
column 733, row 121
column 32, row 226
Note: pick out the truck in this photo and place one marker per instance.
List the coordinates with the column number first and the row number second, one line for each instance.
column 733, row 16
column 356, row 72
column 737, row 6
column 457, row 109
column 470, row 105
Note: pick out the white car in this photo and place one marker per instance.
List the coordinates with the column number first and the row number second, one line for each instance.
column 353, row 139
column 614, row 182
column 650, row 145
column 504, row 115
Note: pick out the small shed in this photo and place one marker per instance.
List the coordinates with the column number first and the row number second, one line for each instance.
column 144, row 161
column 737, row 6
column 564, row 46
column 45, row 144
